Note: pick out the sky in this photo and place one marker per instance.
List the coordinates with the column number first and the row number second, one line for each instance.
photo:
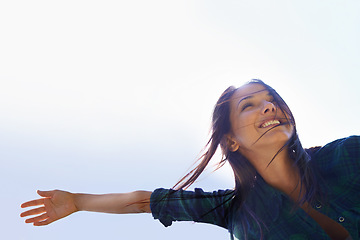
column 115, row 96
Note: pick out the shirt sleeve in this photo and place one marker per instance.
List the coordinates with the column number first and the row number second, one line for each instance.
column 169, row 205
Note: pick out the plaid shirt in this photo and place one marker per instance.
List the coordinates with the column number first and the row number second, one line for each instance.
column 338, row 163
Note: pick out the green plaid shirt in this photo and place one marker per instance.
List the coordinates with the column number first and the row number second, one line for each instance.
column 338, row 163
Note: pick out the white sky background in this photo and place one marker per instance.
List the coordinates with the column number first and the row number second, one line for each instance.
column 114, row 96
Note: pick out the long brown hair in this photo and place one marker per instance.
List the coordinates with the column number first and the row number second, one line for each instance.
column 221, row 126
column 244, row 172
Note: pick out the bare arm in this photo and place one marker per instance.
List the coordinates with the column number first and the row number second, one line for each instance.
column 58, row 204
column 133, row 202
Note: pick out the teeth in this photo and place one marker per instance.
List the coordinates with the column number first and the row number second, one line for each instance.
column 272, row 122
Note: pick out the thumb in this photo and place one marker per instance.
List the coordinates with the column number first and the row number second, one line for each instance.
column 47, row 194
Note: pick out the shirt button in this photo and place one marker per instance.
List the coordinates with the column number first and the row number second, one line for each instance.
column 318, row 206
column 341, row 219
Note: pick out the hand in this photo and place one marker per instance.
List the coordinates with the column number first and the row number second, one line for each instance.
column 53, row 206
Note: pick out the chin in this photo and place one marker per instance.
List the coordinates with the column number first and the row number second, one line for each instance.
column 278, row 138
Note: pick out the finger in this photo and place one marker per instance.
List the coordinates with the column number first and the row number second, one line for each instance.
column 37, row 219
column 47, row 194
column 33, row 203
column 33, row 212
column 43, row 223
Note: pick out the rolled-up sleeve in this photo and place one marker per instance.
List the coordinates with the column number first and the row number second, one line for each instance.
column 169, row 205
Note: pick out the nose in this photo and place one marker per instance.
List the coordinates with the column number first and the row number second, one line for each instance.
column 268, row 107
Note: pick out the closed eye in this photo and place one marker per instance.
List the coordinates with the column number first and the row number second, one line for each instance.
column 246, row 105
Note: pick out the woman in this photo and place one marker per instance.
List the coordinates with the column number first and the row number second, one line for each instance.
column 281, row 190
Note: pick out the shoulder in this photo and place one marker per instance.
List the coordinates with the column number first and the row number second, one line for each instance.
column 339, row 161
column 344, row 148
column 351, row 141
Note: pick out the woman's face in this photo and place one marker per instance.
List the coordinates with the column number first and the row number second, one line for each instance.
column 256, row 121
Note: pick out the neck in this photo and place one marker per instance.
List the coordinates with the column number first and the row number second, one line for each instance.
column 280, row 173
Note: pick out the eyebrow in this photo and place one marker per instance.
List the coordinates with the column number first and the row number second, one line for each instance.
column 244, row 98
column 251, row 96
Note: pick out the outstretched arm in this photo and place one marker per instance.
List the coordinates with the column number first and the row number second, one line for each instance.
column 58, row 204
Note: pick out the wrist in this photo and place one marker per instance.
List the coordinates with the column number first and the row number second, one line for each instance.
column 78, row 201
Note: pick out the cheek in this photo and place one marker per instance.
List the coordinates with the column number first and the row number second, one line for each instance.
column 243, row 126
column 245, row 131
column 247, row 122
column 292, row 130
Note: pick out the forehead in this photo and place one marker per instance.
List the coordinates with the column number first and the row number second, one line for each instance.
column 248, row 90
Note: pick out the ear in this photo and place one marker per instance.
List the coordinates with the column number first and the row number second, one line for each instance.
column 231, row 143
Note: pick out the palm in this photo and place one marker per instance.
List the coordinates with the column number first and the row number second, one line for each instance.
column 54, row 206
column 59, row 206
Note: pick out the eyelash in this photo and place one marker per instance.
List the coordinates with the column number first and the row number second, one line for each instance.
column 246, row 106
column 272, row 100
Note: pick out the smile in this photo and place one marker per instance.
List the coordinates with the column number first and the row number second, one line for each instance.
column 270, row 123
